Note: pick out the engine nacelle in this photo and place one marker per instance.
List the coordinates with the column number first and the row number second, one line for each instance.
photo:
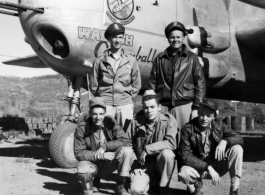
column 257, row 3
column 208, row 40
column 251, row 33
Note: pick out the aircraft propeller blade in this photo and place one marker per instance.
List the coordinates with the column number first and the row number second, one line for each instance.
column 30, row 61
column 195, row 18
column 227, row 4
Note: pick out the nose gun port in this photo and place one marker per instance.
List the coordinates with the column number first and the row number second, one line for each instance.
column 52, row 40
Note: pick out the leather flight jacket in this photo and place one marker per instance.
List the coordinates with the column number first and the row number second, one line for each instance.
column 179, row 83
column 191, row 147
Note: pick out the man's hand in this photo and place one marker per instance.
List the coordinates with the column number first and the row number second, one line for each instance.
column 220, row 150
column 191, row 172
column 194, row 114
column 215, row 176
column 142, row 158
column 99, row 154
column 109, row 155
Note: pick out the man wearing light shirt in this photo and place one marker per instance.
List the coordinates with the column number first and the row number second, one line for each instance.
column 116, row 76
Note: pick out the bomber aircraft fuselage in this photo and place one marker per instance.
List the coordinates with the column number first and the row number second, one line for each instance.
column 228, row 36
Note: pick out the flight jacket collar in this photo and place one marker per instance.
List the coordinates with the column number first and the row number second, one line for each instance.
column 125, row 59
column 183, row 53
column 142, row 121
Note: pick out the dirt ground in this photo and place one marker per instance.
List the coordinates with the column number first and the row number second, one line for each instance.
column 26, row 168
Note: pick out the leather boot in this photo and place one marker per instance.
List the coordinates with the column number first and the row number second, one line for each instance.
column 121, row 189
column 96, row 184
column 233, row 192
column 165, row 191
column 198, row 186
column 86, row 180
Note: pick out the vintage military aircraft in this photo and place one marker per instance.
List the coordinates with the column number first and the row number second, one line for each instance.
column 67, row 36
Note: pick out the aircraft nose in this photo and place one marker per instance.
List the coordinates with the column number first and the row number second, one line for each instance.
column 52, row 40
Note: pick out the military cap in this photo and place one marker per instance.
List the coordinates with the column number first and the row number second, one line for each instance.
column 97, row 101
column 114, row 29
column 175, row 26
column 208, row 106
column 149, row 92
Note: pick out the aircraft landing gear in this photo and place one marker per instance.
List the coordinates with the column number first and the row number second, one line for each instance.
column 62, row 139
column 73, row 98
column 61, row 145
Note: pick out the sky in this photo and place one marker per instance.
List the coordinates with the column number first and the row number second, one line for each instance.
column 12, row 46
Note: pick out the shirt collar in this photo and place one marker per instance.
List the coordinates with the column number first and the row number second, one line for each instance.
column 112, row 56
column 124, row 58
column 141, row 120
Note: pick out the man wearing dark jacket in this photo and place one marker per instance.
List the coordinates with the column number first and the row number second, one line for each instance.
column 101, row 146
column 177, row 77
column 209, row 149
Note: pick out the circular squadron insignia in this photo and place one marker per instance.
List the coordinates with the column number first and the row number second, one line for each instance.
column 121, row 11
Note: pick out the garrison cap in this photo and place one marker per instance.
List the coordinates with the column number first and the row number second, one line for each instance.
column 114, row 29
column 175, row 26
column 97, row 101
column 208, row 106
column 149, row 92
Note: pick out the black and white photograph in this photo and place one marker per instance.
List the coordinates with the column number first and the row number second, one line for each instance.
column 132, row 97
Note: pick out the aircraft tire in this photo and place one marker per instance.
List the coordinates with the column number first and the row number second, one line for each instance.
column 61, row 145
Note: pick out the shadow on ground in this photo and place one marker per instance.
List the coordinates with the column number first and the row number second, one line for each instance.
column 254, row 150
column 37, row 149
column 70, row 185
column 67, row 184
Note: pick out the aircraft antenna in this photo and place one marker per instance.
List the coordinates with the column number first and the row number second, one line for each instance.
column 8, row 13
column 17, row 7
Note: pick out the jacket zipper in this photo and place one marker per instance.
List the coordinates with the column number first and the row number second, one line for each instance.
column 114, row 76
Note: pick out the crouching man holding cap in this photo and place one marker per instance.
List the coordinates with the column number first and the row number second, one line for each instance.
column 209, row 149
column 116, row 76
column 154, row 143
column 101, row 146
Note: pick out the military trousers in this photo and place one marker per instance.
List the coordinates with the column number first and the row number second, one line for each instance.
column 232, row 164
column 122, row 162
column 161, row 165
column 121, row 113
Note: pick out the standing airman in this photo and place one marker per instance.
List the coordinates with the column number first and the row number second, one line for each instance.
column 116, row 76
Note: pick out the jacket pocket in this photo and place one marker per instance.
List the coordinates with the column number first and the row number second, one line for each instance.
column 188, row 90
column 107, row 80
column 128, row 90
column 159, row 86
column 163, row 92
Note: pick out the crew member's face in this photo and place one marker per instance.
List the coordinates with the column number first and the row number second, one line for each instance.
column 97, row 115
column 176, row 39
column 205, row 119
column 151, row 109
column 116, row 41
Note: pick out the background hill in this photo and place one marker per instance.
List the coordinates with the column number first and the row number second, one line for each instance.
column 41, row 97
column 34, row 97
